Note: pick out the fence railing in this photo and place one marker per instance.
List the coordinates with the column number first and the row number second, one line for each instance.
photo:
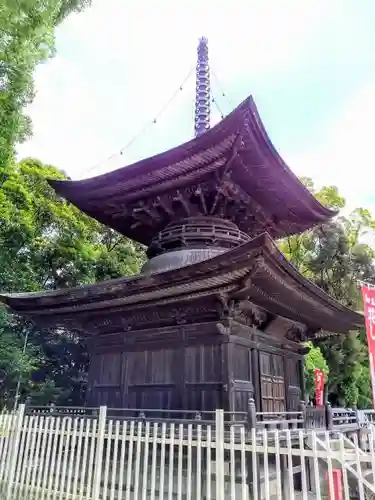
column 309, row 417
column 306, row 417
column 43, row 456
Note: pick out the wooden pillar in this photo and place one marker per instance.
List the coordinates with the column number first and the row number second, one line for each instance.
column 301, row 366
column 255, row 373
column 90, row 391
column 227, row 375
column 180, row 396
column 124, row 381
column 286, row 382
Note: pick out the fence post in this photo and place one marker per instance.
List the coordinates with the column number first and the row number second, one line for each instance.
column 302, row 408
column 357, row 418
column 219, row 452
column 99, row 452
column 251, row 414
column 285, row 486
column 14, row 449
column 358, row 428
column 252, row 457
column 329, row 417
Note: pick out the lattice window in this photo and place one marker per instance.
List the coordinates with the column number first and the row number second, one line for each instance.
column 272, row 382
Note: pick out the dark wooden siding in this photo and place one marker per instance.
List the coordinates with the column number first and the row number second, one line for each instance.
column 241, row 383
column 181, row 377
column 105, row 380
column 204, row 377
column 197, row 370
column 148, row 380
column 293, row 382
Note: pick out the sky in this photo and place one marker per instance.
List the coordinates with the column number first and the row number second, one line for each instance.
column 310, row 66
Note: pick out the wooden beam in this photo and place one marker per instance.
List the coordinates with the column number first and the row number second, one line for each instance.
column 148, row 209
column 232, row 157
column 161, row 202
column 180, row 198
column 271, row 318
column 199, row 192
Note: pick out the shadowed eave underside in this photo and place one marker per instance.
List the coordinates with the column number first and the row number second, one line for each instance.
column 232, row 171
column 254, row 271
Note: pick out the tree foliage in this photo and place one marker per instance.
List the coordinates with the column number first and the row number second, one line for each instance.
column 26, row 39
column 46, row 243
column 314, row 361
column 335, row 257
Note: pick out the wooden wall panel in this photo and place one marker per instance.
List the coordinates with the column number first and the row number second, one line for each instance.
column 293, row 382
column 241, row 386
column 148, row 379
column 204, row 370
column 105, row 369
column 110, row 369
column 107, row 396
column 104, row 380
column 241, row 369
column 203, row 363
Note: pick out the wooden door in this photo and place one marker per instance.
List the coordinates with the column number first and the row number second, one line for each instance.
column 272, row 383
column 241, row 384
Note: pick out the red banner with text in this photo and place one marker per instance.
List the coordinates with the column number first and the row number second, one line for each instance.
column 319, row 387
column 368, row 293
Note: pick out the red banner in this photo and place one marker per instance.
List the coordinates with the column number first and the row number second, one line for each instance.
column 335, row 490
column 368, row 293
column 319, row 387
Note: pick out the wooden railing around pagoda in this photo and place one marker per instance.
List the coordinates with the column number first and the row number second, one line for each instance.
column 312, row 417
column 306, row 417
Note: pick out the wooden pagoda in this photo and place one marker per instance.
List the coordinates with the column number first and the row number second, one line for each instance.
column 217, row 314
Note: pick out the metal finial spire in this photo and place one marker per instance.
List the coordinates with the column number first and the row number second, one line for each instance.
column 202, row 90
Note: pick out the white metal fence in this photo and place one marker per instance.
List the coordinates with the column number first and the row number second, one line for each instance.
column 75, row 457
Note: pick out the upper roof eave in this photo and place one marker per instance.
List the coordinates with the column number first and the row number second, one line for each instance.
column 278, row 162
column 147, row 166
column 94, row 196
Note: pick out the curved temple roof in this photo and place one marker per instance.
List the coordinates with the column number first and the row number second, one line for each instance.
column 255, row 270
column 233, row 165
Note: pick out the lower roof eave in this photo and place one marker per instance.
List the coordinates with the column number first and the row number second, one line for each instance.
column 257, row 268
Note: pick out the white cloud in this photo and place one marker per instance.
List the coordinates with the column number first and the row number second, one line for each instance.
column 346, row 159
column 59, row 113
column 119, row 62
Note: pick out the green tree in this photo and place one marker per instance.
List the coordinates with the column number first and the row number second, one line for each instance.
column 17, row 363
column 46, row 243
column 26, row 39
column 314, row 361
column 335, row 257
